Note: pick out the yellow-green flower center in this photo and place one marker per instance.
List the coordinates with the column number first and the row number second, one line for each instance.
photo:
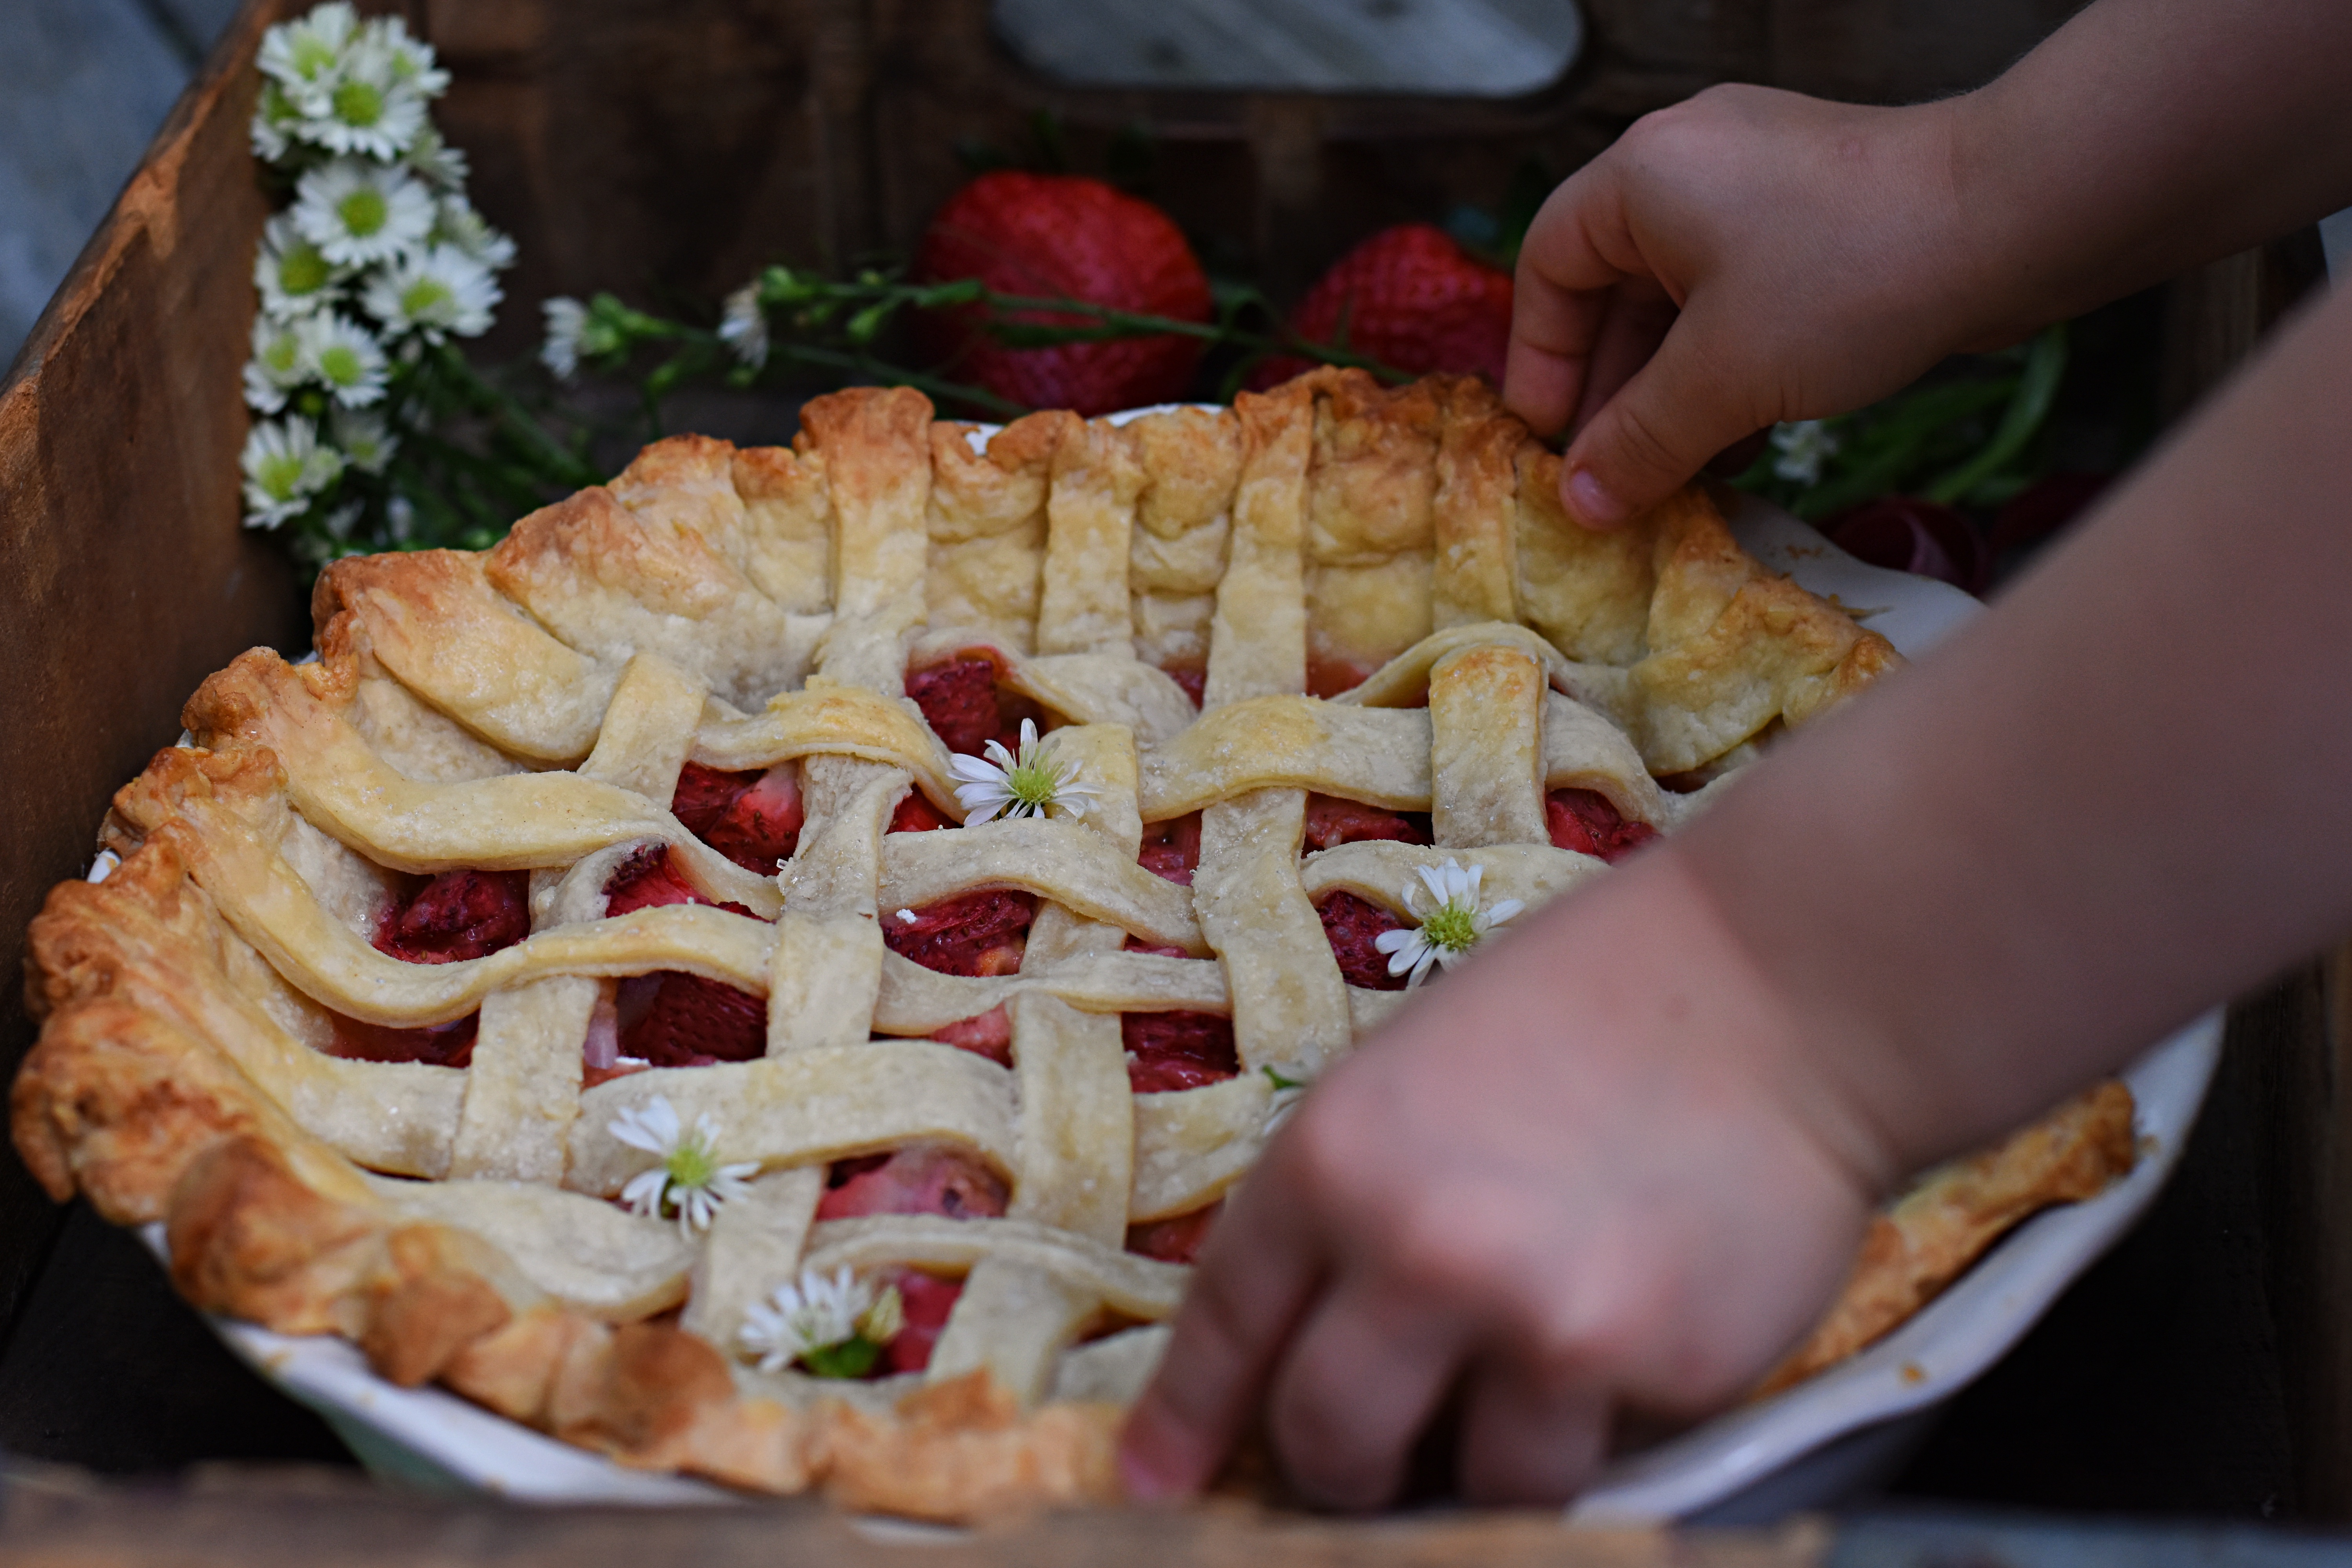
column 358, row 103
column 690, row 1165
column 362, row 212
column 424, row 297
column 1453, row 925
column 1033, row 781
column 279, row 358
column 281, row 477
column 341, row 366
column 311, row 56
column 303, row 270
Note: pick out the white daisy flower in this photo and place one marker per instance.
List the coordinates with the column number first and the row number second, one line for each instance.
column 1031, row 785
column 363, row 439
column 744, row 328
column 1449, row 928
column 277, row 366
column 567, row 327
column 836, row 1325
column 357, row 213
column 1802, row 448
column 285, row 467
column 400, row 518
column 411, row 57
column 273, row 119
column 306, row 57
column 366, row 109
column 434, row 292
column 345, row 356
column 433, row 160
column 294, row 278
column 456, row 223
column 690, row 1179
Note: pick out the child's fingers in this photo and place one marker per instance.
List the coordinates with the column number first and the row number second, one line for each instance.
column 1525, row 1441
column 1560, row 296
column 1663, row 426
column 1254, row 1280
column 1552, row 333
column 1365, row 1374
column 1640, row 315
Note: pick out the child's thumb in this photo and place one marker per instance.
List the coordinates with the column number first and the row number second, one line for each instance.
column 1645, row 443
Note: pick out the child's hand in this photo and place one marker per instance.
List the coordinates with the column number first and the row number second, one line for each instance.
column 1748, row 256
column 1582, row 1177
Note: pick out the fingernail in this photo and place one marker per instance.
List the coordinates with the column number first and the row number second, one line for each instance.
column 1589, row 500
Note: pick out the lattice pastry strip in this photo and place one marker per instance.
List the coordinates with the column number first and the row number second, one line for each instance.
column 1384, row 614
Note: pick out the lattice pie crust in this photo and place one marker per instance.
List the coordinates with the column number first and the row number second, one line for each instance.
column 533, row 708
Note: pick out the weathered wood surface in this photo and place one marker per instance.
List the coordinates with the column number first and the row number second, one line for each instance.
column 318, row 1520
column 124, row 576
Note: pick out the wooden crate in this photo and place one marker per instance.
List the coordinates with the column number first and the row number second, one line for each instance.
column 657, row 146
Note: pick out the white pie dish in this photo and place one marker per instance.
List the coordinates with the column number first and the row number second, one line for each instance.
column 430, row 1437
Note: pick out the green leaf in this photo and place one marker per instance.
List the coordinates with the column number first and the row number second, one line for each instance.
column 862, row 327
column 1281, row 1082
column 854, row 1357
column 2045, row 367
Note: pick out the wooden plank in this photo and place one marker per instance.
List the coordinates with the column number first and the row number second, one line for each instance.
column 259, row 1519
column 124, row 575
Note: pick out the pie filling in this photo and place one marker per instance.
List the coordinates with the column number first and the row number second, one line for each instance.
column 981, row 932
column 456, row 916
column 449, row 1045
column 923, row 1178
column 754, row 818
column 1172, row 849
column 1351, row 925
column 1584, row 821
column 1176, row 1239
column 1332, row 821
column 1171, row 1051
column 965, row 705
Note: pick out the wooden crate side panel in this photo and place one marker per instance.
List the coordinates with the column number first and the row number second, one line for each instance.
column 125, row 578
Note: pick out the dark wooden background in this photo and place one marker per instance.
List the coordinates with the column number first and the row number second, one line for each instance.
column 665, row 148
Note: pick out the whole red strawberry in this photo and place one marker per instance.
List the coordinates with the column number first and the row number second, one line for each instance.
column 1065, row 236
column 1412, row 299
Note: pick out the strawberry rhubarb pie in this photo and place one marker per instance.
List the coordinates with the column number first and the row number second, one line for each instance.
column 772, row 970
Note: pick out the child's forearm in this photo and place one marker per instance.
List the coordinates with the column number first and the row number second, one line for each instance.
column 2145, row 137
column 2124, row 793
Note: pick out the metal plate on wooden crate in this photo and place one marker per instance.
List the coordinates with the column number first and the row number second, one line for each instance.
column 1804, row 1449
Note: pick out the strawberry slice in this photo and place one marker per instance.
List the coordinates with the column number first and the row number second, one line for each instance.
column 1192, row 678
column 1172, row 849
column 980, row 932
column 1333, row 821
column 1176, row 1240
column 924, row 1178
column 1170, row 1051
column 673, row 1019
column 917, row 815
column 1350, row 924
column 449, row 1045
column 1584, row 821
column 648, row 879
column 928, row 1299
column 457, row 915
column 959, row 702
column 752, row 819
column 990, row 1035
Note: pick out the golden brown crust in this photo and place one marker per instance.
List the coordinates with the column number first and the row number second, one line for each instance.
column 1945, row 1223
column 1316, row 532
